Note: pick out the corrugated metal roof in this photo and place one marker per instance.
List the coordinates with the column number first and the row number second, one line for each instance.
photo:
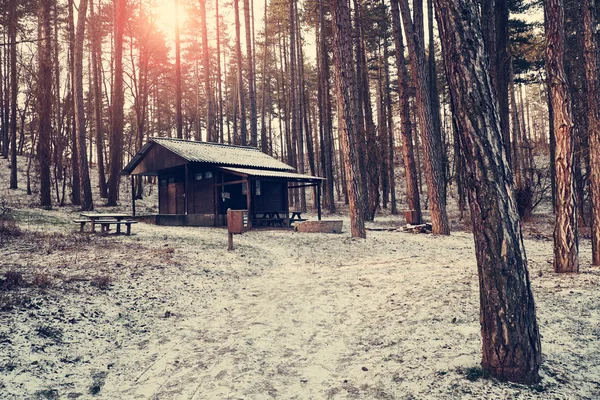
column 271, row 173
column 221, row 154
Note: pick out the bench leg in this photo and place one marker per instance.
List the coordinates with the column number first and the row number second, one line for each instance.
column 82, row 224
column 93, row 229
column 118, row 228
column 128, row 229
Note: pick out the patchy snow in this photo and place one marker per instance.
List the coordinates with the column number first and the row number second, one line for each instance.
column 285, row 315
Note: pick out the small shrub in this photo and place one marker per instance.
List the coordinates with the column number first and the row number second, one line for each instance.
column 42, row 280
column 525, row 202
column 12, row 280
column 8, row 224
column 102, row 282
column 49, row 332
column 474, row 373
column 49, row 394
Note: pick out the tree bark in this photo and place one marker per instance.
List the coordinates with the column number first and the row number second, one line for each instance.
column 346, row 98
column 430, row 140
column 593, row 105
column 565, row 230
column 511, row 343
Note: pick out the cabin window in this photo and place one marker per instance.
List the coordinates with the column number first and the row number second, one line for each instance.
column 171, row 180
column 199, row 176
column 244, row 188
column 258, row 188
column 163, row 182
column 208, row 175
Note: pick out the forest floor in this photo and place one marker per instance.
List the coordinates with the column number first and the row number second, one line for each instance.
column 169, row 313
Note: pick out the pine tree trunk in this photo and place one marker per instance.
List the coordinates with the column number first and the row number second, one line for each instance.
column 430, row 140
column 346, row 98
column 86, row 188
column 390, row 131
column 325, row 112
column 511, row 342
column 45, row 101
column 565, row 230
column 14, row 86
column 210, row 114
column 98, row 122
column 251, row 83
column 593, row 106
column 178, row 117
column 219, row 80
column 408, row 155
column 240, row 89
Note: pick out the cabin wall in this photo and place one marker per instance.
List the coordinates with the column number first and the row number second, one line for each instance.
column 271, row 197
column 157, row 159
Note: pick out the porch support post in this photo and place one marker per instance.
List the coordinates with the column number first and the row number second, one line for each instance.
column 249, row 201
column 286, row 204
column 319, row 200
column 186, row 185
column 132, row 196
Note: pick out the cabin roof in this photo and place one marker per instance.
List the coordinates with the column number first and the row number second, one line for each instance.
column 271, row 174
column 210, row 153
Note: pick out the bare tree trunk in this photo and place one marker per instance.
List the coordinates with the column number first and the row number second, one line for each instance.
column 566, row 246
column 511, row 342
column 408, row 155
column 116, row 142
column 430, row 140
column 86, row 187
column 593, row 105
column 346, row 95
column 45, row 101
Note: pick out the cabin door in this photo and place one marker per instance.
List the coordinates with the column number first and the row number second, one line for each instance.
column 172, row 199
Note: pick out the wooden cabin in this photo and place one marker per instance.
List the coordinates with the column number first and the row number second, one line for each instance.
column 199, row 181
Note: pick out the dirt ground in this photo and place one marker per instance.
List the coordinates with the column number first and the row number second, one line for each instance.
column 169, row 313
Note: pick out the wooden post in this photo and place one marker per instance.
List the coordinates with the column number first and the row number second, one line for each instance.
column 319, row 200
column 186, row 185
column 230, row 237
column 249, row 201
column 215, row 197
column 132, row 196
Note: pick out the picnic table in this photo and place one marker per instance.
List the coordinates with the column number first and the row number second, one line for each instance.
column 268, row 218
column 297, row 217
column 105, row 220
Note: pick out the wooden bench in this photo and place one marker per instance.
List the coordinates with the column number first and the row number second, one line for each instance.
column 105, row 224
column 82, row 223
